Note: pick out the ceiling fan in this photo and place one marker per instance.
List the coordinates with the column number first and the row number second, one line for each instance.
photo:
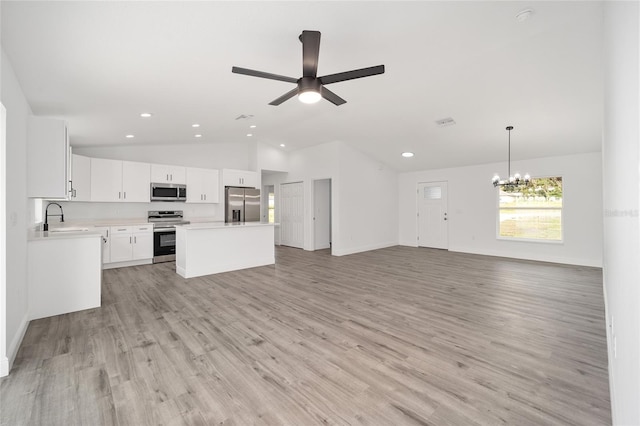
column 310, row 88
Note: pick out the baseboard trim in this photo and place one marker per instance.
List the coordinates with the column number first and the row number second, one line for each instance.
column 360, row 249
column 4, row 366
column 12, row 350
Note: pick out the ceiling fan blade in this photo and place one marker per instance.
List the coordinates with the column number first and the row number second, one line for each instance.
column 310, row 51
column 290, row 94
column 350, row 75
column 332, row 97
column 254, row 73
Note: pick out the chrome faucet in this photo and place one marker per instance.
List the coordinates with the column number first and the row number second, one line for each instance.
column 45, row 227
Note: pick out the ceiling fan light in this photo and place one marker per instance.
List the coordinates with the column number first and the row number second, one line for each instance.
column 309, row 97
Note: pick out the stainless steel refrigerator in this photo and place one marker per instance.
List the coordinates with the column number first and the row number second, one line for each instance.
column 241, row 204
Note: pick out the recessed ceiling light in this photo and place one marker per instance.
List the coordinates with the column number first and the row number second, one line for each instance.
column 249, row 134
column 407, row 154
column 282, row 145
column 129, row 136
column 146, row 115
column 253, row 126
column 195, row 125
column 197, row 136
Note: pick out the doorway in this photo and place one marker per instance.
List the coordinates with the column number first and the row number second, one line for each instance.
column 292, row 214
column 433, row 229
column 321, row 214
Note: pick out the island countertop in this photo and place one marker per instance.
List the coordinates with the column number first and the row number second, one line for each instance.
column 215, row 247
column 213, row 225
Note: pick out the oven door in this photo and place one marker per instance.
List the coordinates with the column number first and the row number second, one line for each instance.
column 164, row 244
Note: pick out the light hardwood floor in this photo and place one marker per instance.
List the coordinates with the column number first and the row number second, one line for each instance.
column 399, row 336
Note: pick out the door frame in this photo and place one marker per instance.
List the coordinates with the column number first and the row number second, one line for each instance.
column 418, row 202
column 313, row 210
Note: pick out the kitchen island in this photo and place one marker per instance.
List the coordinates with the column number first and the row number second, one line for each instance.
column 214, row 247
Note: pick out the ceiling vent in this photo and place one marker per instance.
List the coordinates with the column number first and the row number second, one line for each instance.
column 445, row 122
column 244, row 117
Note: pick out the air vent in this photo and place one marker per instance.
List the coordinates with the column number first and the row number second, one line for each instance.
column 244, row 117
column 445, row 122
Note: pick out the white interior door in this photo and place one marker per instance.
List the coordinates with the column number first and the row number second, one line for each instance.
column 322, row 214
column 292, row 214
column 432, row 215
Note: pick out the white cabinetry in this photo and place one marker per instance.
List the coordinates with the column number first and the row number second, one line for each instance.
column 47, row 159
column 66, row 276
column 203, row 185
column 239, row 178
column 119, row 181
column 80, row 178
column 106, row 243
column 131, row 243
column 168, row 174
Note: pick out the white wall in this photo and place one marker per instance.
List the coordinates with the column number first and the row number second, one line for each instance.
column 473, row 204
column 621, row 161
column 363, row 196
column 17, row 211
column 368, row 199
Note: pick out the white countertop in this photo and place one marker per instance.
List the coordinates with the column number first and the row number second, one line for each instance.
column 48, row 235
column 214, row 225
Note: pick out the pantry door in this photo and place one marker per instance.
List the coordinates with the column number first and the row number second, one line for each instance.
column 292, row 214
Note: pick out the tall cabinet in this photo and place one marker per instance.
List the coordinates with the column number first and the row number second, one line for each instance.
column 47, row 158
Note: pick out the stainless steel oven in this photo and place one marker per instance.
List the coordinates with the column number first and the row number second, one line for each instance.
column 164, row 244
column 164, row 233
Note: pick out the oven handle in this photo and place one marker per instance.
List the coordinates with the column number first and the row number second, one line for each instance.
column 171, row 229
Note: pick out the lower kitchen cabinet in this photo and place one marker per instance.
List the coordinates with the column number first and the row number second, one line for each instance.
column 131, row 243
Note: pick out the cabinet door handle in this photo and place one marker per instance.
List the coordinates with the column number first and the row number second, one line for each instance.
column 119, row 195
column 205, row 197
column 107, row 233
column 73, row 195
column 125, row 195
column 129, row 240
column 135, row 240
column 171, row 177
column 167, row 177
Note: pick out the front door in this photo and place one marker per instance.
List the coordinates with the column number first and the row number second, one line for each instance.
column 432, row 215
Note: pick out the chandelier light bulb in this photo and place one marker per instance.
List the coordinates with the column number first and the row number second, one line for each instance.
column 527, row 178
column 495, row 179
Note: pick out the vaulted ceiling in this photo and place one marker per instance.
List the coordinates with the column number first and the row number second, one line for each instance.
column 99, row 65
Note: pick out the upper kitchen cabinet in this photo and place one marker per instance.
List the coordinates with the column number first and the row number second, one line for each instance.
column 80, row 178
column 203, row 185
column 168, row 174
column 239, row 178
column 120, row 181
column 47, row 159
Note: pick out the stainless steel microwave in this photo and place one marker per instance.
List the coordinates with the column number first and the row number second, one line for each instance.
column 168, row 192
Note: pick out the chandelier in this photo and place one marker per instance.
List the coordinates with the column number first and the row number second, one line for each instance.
column 515, row 181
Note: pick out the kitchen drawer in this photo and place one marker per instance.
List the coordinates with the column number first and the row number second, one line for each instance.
column 141, row 228
column 121, row 230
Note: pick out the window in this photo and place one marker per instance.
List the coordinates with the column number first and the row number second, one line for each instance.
column 534, row 213
column 272, row 206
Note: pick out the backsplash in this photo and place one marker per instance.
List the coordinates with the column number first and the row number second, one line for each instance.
column 74, row 210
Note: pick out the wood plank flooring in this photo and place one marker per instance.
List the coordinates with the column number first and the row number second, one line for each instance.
column 398, row 336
